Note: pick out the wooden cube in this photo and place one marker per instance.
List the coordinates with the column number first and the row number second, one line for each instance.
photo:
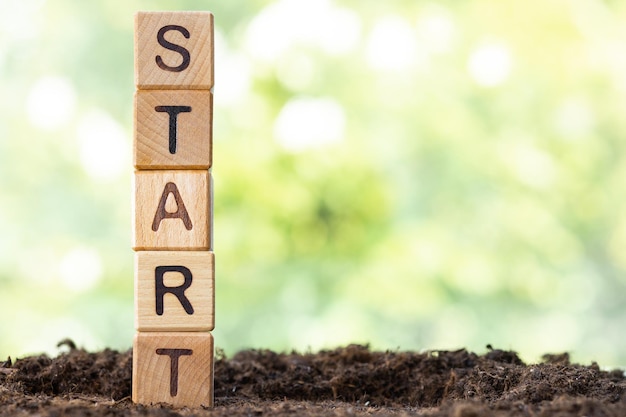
column 174, row 291
column 172, row 210
column 174, row 368
column 174, row 50
column 173, row 129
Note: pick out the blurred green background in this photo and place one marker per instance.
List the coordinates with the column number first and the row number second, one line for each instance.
column 410, row 174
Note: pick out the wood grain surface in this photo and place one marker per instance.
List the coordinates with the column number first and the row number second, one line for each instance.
column 174, row 50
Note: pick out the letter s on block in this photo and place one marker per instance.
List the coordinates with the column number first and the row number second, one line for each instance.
column 173, row 47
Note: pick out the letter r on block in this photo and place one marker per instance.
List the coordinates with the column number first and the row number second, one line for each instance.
column 174, row 291
column 161, row 289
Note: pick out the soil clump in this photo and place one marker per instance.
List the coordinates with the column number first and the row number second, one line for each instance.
column 348, row 381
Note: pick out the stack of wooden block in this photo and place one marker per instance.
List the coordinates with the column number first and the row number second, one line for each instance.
column 172, row 239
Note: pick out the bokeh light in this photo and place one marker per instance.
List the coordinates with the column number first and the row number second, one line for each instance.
column 413, row 175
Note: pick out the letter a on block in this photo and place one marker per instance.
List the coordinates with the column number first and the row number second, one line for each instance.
column 174, row 291
column 172, row 210
column 174, row 368
column 162, row 213
column 174, row 50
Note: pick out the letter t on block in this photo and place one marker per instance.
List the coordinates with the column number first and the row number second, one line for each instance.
column 173, row 129
column 174, row 368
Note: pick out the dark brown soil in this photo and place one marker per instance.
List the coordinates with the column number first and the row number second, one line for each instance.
column 350, row 381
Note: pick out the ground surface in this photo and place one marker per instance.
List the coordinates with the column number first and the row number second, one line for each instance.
column 350, row 381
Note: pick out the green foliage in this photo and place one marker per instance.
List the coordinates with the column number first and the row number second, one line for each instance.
column 409, row 174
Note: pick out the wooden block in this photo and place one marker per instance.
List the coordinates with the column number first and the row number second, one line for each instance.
column 174, row 368
column 174, row 50
column 172, row 210
column 174, row 291
column 173, row 129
